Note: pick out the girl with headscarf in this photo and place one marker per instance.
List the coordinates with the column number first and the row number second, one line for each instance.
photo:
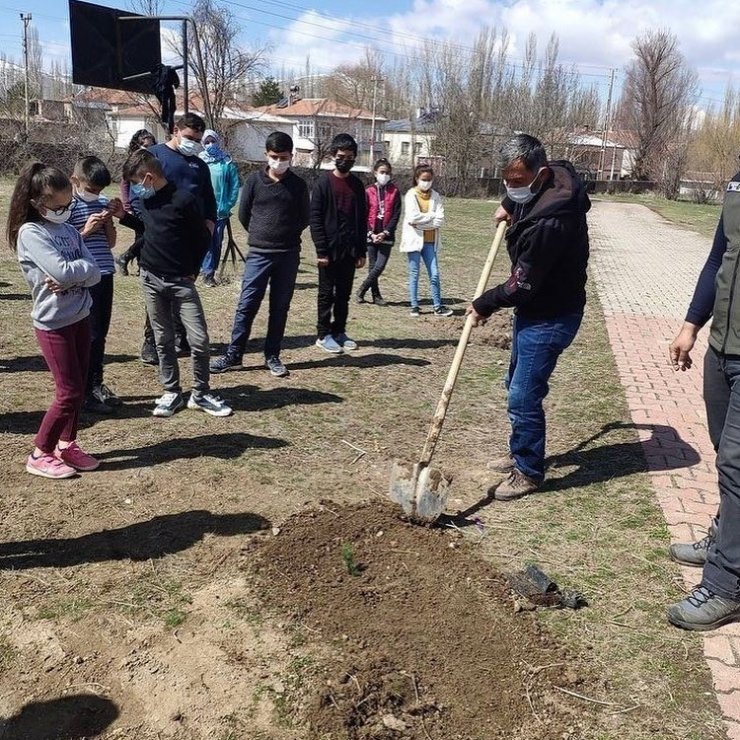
column 226, row 184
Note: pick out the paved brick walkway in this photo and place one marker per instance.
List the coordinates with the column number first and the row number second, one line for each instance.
column 645, row 271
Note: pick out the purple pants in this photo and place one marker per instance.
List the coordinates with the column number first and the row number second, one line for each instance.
column 67, row 353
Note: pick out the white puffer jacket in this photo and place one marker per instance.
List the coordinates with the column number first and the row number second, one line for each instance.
column 415, row 222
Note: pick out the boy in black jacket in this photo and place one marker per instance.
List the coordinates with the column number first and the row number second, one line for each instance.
column 339, row 231
column 174, row 242
column 274, row 210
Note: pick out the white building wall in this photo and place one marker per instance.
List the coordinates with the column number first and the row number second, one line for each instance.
column 247, row 138
column 403, row 148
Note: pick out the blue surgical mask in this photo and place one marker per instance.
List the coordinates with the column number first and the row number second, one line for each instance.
column 189, row 148
column 139, row 190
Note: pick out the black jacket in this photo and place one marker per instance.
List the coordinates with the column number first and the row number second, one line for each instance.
column 275, row 213
column 175, row 233
column 324, row 220
column 548, row 246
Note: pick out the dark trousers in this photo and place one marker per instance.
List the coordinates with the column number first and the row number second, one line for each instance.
column 280, row 271
column 335, row 290
column 100, row 314
column 67, row 353
column 377, row 259
column 722, row 400
column 536, row 345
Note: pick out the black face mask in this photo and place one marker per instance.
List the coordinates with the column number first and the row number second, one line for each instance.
column 343, row 165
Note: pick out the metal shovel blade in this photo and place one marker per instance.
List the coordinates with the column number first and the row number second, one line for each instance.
column 420, row 491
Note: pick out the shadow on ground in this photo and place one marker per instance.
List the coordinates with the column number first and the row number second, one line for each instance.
column 222, row 446
column 155, row 538
column 603, row 462
column 68, row 718
column 36, row 363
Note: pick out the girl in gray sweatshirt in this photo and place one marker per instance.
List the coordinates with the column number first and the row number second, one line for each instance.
column 59, row 270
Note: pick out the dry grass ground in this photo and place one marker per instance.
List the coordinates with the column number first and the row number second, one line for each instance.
column 127, row 590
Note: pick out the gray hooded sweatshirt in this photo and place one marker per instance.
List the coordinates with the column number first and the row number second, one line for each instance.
column 56, row 251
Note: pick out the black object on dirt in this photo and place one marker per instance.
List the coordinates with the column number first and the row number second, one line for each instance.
column 541, row 590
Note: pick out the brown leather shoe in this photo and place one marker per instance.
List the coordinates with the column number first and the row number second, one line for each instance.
column 501, row 464
column 515, row 486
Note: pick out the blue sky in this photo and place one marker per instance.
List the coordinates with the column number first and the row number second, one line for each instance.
column 594, row 35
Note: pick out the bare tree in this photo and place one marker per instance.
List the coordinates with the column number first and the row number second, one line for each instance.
column 658, row 93
column 226, row 66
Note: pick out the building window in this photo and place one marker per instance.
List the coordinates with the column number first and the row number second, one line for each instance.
column 417, row 148
column 387, row 145
column 306, row 129
column 405, row 148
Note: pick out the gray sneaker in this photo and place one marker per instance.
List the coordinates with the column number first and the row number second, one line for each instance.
column 703, row 610
column 693, row 553
column 276, row 367
column 210, row 403
column 328, row 344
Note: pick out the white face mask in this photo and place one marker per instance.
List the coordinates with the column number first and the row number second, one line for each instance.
column 382, row 178
column 424, row 185
column 57, row 218
column 87, row 196
column 278, row 166
column 524, row 194
column 189, row 148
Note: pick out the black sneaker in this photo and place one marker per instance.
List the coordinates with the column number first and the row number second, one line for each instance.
column 105, row 395
column 122, row 263
column 442, row 311
column 415, row 312
column 703, row 610
column 276, row 368
column 149, row 354
column 96, row 406
column 226, row 363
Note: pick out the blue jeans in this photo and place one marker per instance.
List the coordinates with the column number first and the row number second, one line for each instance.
column 429, row 255
column 213, row 255
column 280, row 270
column 536, row 345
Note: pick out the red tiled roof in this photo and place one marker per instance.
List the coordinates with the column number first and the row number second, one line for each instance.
column 324, row 107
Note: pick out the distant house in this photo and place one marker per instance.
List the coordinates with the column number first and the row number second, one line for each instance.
column 246, row 131
column 408, row 140
column 603, row 158
column 318, row 120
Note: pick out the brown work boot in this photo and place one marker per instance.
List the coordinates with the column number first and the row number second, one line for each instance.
column 502, row 463
column 515, row 486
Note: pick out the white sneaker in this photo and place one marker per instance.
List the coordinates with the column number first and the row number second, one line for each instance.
column 328, row 344
column 345, row 342
column 167, row 404
column 210, row 403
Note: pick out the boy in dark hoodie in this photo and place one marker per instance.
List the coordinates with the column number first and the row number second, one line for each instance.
column 547, row 241
column 338, row 220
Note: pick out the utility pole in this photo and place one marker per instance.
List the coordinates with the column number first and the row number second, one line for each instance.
column 607, row 123
column 26, row 18
column 375, row 80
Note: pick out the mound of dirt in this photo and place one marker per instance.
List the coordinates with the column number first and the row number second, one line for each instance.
column 495, row 333
column 422, row 636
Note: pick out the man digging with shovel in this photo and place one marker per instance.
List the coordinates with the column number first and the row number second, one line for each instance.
column 547, row 240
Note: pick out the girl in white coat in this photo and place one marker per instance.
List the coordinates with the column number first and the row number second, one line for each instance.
column 423, row 217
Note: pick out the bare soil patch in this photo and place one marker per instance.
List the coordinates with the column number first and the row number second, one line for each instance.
column 426, row 638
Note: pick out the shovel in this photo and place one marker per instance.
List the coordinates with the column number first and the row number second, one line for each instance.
column 422, row 491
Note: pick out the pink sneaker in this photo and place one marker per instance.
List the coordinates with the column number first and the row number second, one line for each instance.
column 76, row 458
column 47, row 466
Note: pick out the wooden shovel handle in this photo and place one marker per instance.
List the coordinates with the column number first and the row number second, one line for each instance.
column 444, row 401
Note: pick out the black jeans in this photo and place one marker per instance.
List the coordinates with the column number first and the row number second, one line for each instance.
column 377, row 259
column 280, row 270
column 100, row 313
column 335, row 290
column 722, row 400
